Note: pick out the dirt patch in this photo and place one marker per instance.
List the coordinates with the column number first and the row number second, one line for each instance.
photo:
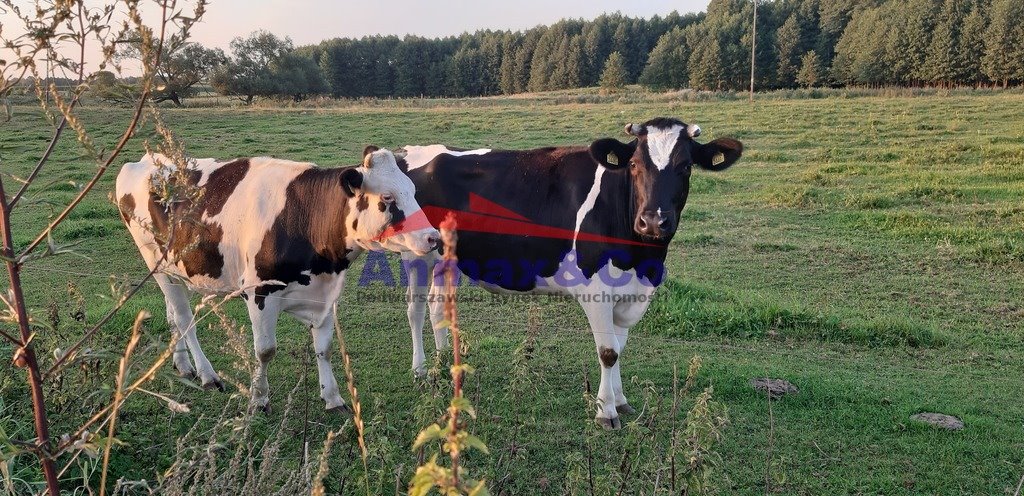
column 940, row 420
column 775, row 388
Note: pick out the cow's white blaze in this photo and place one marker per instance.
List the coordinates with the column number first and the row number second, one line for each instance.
column 418, row 156
column 660, row 143
column 588, row 204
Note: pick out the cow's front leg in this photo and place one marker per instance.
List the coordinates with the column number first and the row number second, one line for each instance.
column 599, row 315
column 621, row 405
column 322, row 335
column 264, row 338
column 626, row 314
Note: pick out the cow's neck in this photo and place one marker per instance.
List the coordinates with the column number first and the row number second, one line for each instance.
column 325, row 206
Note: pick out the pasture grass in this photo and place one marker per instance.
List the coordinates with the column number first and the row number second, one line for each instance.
column 869, row 250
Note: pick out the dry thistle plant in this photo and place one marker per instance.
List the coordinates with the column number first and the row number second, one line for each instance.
column 697, row 443
column 52, row 29
column 226, row 462
column 453, row 435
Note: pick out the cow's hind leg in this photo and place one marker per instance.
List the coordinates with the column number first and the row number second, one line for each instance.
column 181, row 319
column 436, row 299
column 418, row 270
column 599, row 315
column 181, row 357
column 264, row 339
column 329, row 391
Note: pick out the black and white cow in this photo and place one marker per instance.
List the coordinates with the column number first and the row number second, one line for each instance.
column 592, row 222
column 279, row 233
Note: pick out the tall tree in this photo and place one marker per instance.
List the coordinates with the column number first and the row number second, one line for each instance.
column 1004, row 42
column 544, row 58
column 788, row 47
column 810, row 73
column 249, row 73
column 523, row 61
column 860, row 54
column 615, row 73
column 626, row 41
column 597, row 45
column 298, row 76
column 666, row 65
column 706, row 71
column 945, row 61
column 181, row 67
column 833, row 17
column 467, row 72
column 569, row 67
column 509, row 48
column 972, row 45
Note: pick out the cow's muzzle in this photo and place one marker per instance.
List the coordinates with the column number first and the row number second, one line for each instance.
column 652, row 224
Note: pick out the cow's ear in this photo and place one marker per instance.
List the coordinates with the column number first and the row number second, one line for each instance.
column 351, row 180
column 612, row 153
column 718, row 155
column 370, row 149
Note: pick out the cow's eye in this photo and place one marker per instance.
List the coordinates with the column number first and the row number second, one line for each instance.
column 387, row 198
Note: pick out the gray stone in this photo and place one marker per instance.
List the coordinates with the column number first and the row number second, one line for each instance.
column 940, row 420
column 776, row 388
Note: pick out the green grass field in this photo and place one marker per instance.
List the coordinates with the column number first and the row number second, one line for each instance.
column 870, row 250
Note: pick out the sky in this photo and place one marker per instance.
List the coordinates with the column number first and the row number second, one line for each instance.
column 311, row 21
column 227, row 19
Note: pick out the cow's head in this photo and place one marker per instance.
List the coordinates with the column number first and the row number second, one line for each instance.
column 660, row 159
column 383, row 212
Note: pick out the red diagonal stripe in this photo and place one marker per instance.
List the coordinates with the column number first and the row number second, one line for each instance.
column 481, row 205
column 415, row 222
column 491, row 221
column 469, row 221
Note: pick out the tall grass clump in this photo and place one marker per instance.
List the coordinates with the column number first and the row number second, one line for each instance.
column 452, row 434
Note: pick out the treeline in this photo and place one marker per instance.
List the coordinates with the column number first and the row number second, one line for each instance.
column 799, row 43
column 568, row 54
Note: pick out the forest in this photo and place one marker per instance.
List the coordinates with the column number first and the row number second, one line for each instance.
column 799, row 42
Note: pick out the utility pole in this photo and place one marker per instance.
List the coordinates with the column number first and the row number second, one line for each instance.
column 753, row 44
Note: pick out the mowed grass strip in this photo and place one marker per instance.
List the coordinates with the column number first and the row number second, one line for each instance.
column 867, row 249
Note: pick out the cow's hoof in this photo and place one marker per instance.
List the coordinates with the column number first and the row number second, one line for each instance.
column 185, row 372
column 420, row 373
column 625, row 409
column 215, row 383
column 265, row 409
column 343, row 410
column 612, row 424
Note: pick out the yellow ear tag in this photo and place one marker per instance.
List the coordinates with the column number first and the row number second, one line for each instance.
column 612, row 159
column 718, row 158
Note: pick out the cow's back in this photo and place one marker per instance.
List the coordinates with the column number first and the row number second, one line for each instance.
column 218, row 231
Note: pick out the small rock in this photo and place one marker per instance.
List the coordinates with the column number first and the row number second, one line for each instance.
column 776, row 388
column 940, row 420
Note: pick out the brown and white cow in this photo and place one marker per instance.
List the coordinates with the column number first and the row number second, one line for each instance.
column 279, row 233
